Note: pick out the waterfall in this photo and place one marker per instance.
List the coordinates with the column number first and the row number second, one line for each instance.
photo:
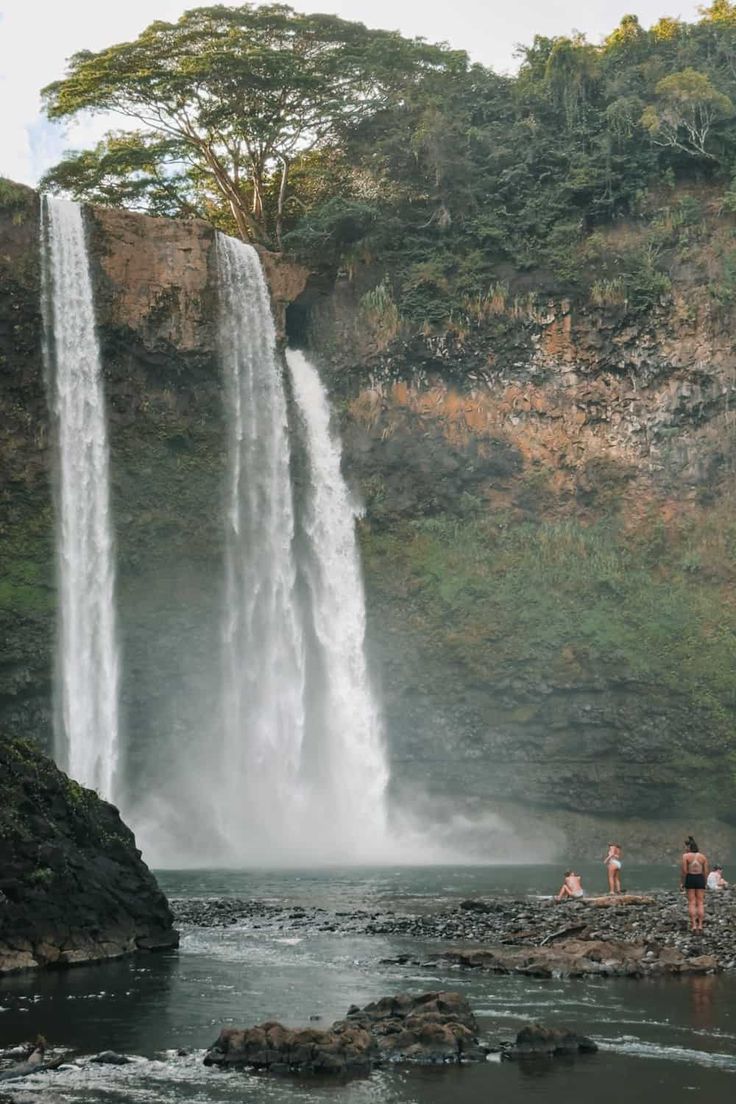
column 303, row 770
column 348, row 749
column 87, row 662
column 262, row 634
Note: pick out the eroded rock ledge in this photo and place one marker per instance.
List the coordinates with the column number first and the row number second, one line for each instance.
column 73, row 886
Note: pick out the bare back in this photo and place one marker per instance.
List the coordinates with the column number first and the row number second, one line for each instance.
column 694, row 862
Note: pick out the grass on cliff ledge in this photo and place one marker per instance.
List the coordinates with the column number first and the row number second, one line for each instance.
column 561, row 601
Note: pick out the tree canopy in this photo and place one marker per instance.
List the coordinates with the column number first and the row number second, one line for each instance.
column 347, row 143
column 225, row 95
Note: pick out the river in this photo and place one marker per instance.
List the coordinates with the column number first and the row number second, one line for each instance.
column 661, row 1040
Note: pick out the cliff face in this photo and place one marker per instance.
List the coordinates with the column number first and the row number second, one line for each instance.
column 548, row 546
column 548, row 540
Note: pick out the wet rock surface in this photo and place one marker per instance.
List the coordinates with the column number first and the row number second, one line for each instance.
column 73, row 886
column 436, row 1027
column 538, row 1039
column 585, row 958
column 638, row 939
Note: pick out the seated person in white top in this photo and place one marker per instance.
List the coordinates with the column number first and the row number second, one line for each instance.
column 716, row 879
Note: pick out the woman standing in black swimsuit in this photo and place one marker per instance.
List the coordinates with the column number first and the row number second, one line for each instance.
column 693, row 874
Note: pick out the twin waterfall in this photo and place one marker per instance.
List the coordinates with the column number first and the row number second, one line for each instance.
column 295, row 765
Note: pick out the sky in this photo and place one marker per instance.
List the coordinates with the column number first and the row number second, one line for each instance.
column 37, row 36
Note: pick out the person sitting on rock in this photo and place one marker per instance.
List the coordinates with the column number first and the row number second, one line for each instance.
column 572, row 887
column 715, row 879
column 613, row 866
column 693, row 873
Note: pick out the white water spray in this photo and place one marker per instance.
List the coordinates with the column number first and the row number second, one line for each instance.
column 304, row 769
column 87, row 662
column 262, row 633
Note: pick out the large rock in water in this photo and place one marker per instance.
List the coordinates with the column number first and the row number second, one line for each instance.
column 431, row 1028
column 73, row 886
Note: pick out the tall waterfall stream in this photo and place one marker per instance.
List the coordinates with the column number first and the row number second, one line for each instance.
column 87, row 737
column 304, row 767
column 293, row 767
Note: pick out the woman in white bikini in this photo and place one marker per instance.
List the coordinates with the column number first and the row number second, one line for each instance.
column 613, row 867
column 693, row 876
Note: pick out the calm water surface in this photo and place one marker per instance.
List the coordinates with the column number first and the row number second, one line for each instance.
column 666, row 1040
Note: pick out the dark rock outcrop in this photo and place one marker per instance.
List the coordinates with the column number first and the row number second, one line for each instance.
column 432, row 1028
column 73, row 887
column 538, row 1039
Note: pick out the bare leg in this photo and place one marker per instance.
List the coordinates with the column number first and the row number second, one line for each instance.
column 618, row 881
column 692, row 908
column 564, row 893
column 611, row 878
column 700, row 901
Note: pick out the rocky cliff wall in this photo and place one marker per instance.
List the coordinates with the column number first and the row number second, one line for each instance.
column 549, row 553
column 548, row 539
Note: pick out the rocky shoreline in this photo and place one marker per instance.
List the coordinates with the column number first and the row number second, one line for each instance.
column 647, row 936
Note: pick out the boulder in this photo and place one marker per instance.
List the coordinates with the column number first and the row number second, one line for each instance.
column 432, row 1028
column 74, row 887
column 536, row 1039
column 271, row 1046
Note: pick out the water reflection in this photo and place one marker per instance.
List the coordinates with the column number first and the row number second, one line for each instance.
column 702, row 994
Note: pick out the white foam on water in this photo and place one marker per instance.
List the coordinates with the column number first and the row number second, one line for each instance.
column 637, row 1048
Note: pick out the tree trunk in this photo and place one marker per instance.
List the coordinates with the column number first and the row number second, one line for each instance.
column 282, row 197
column 249, row 228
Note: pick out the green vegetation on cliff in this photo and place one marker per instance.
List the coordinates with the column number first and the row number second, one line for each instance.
column 555, row 599
column 357, row 146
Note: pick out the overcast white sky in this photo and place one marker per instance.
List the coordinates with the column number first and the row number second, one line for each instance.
column 36, row 36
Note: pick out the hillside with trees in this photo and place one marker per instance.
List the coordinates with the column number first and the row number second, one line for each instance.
column 345, row 145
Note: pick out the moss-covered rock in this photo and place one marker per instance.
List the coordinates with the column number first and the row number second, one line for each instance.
column 73, row 887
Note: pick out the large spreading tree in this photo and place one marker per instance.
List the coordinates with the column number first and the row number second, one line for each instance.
column 221, row 103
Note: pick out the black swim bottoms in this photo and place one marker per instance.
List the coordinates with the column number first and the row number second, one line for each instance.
column 695, row 881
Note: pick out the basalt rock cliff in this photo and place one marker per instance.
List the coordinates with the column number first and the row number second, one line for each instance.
column 548, row 538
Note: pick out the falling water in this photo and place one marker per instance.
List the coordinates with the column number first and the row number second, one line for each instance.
column 303, row 767
column 87, row 662
column 263, row 640
column 348, row 745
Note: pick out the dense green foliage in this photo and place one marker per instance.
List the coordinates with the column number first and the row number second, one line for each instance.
column 361, row 145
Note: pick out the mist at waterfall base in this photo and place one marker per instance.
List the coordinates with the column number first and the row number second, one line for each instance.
column 294, row 769
column 86, row 679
